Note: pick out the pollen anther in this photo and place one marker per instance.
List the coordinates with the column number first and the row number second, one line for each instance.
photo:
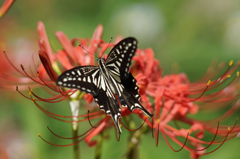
column 22, row 67
column 30, row 93
column 209, row 82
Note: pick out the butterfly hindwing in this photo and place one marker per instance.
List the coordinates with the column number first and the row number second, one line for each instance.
column 131, row 95
column 110, row 106
column 119, row 58
column 130, row 84
column 84, row 78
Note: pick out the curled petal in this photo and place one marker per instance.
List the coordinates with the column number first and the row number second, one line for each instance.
column 47, row 65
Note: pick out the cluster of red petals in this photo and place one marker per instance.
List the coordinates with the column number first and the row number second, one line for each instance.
column 175, row 97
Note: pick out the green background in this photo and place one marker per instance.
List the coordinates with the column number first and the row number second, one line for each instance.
column 186, row 35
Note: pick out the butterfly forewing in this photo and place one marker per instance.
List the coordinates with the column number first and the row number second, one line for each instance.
column 84, row 78
column 119, row 58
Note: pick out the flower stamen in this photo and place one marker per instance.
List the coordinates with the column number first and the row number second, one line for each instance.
column 133, row 129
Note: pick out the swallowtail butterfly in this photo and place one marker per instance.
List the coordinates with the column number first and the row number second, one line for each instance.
column 108, row 80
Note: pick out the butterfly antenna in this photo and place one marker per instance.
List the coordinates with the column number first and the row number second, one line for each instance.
column 87, row 51
column 108, row 45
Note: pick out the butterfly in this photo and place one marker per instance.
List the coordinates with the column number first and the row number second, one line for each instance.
column 110, row 83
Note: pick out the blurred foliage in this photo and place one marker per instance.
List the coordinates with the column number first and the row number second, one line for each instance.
column 191, row 34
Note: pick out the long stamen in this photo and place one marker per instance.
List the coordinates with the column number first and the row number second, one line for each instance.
column 157, row 133
column 136, row 128
column 4, row 52
column 60, row 145
column 87, row 132
column 216, row 142
column 23, row 94
column 210, row 142
column 53, row 115
column 221, row 91
column 90, row 122
column 53, row 99
column 188, row 132
column 52, row 87
column 224, row 74
column 220, row 144
column 26, row 74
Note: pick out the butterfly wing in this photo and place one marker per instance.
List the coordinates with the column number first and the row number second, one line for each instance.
column 131, row 96
column 119, row 58
column 84, row 78
column 110, row 106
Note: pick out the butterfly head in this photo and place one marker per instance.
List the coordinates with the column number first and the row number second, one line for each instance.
column 100, row 60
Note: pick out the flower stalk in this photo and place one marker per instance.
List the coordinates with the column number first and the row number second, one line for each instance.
column 76, row 148
column 99, row 146
column 75, row 104
column 135, row 140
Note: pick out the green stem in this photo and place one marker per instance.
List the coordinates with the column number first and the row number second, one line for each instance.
column 99, row 146
column 76, row 146
column 133, row 146
column 134, row 139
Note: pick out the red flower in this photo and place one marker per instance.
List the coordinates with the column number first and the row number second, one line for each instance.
column 175, row 97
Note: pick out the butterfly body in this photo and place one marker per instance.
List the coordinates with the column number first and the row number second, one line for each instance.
column 109, row 79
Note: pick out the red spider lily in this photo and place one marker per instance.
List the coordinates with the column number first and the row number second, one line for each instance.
column 5, row 7
column 175, row 97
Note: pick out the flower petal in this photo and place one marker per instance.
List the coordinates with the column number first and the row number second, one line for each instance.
column 95, row 40
column 67, row 45
column 95, row 132
column 43, row 36
column 5, row 7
